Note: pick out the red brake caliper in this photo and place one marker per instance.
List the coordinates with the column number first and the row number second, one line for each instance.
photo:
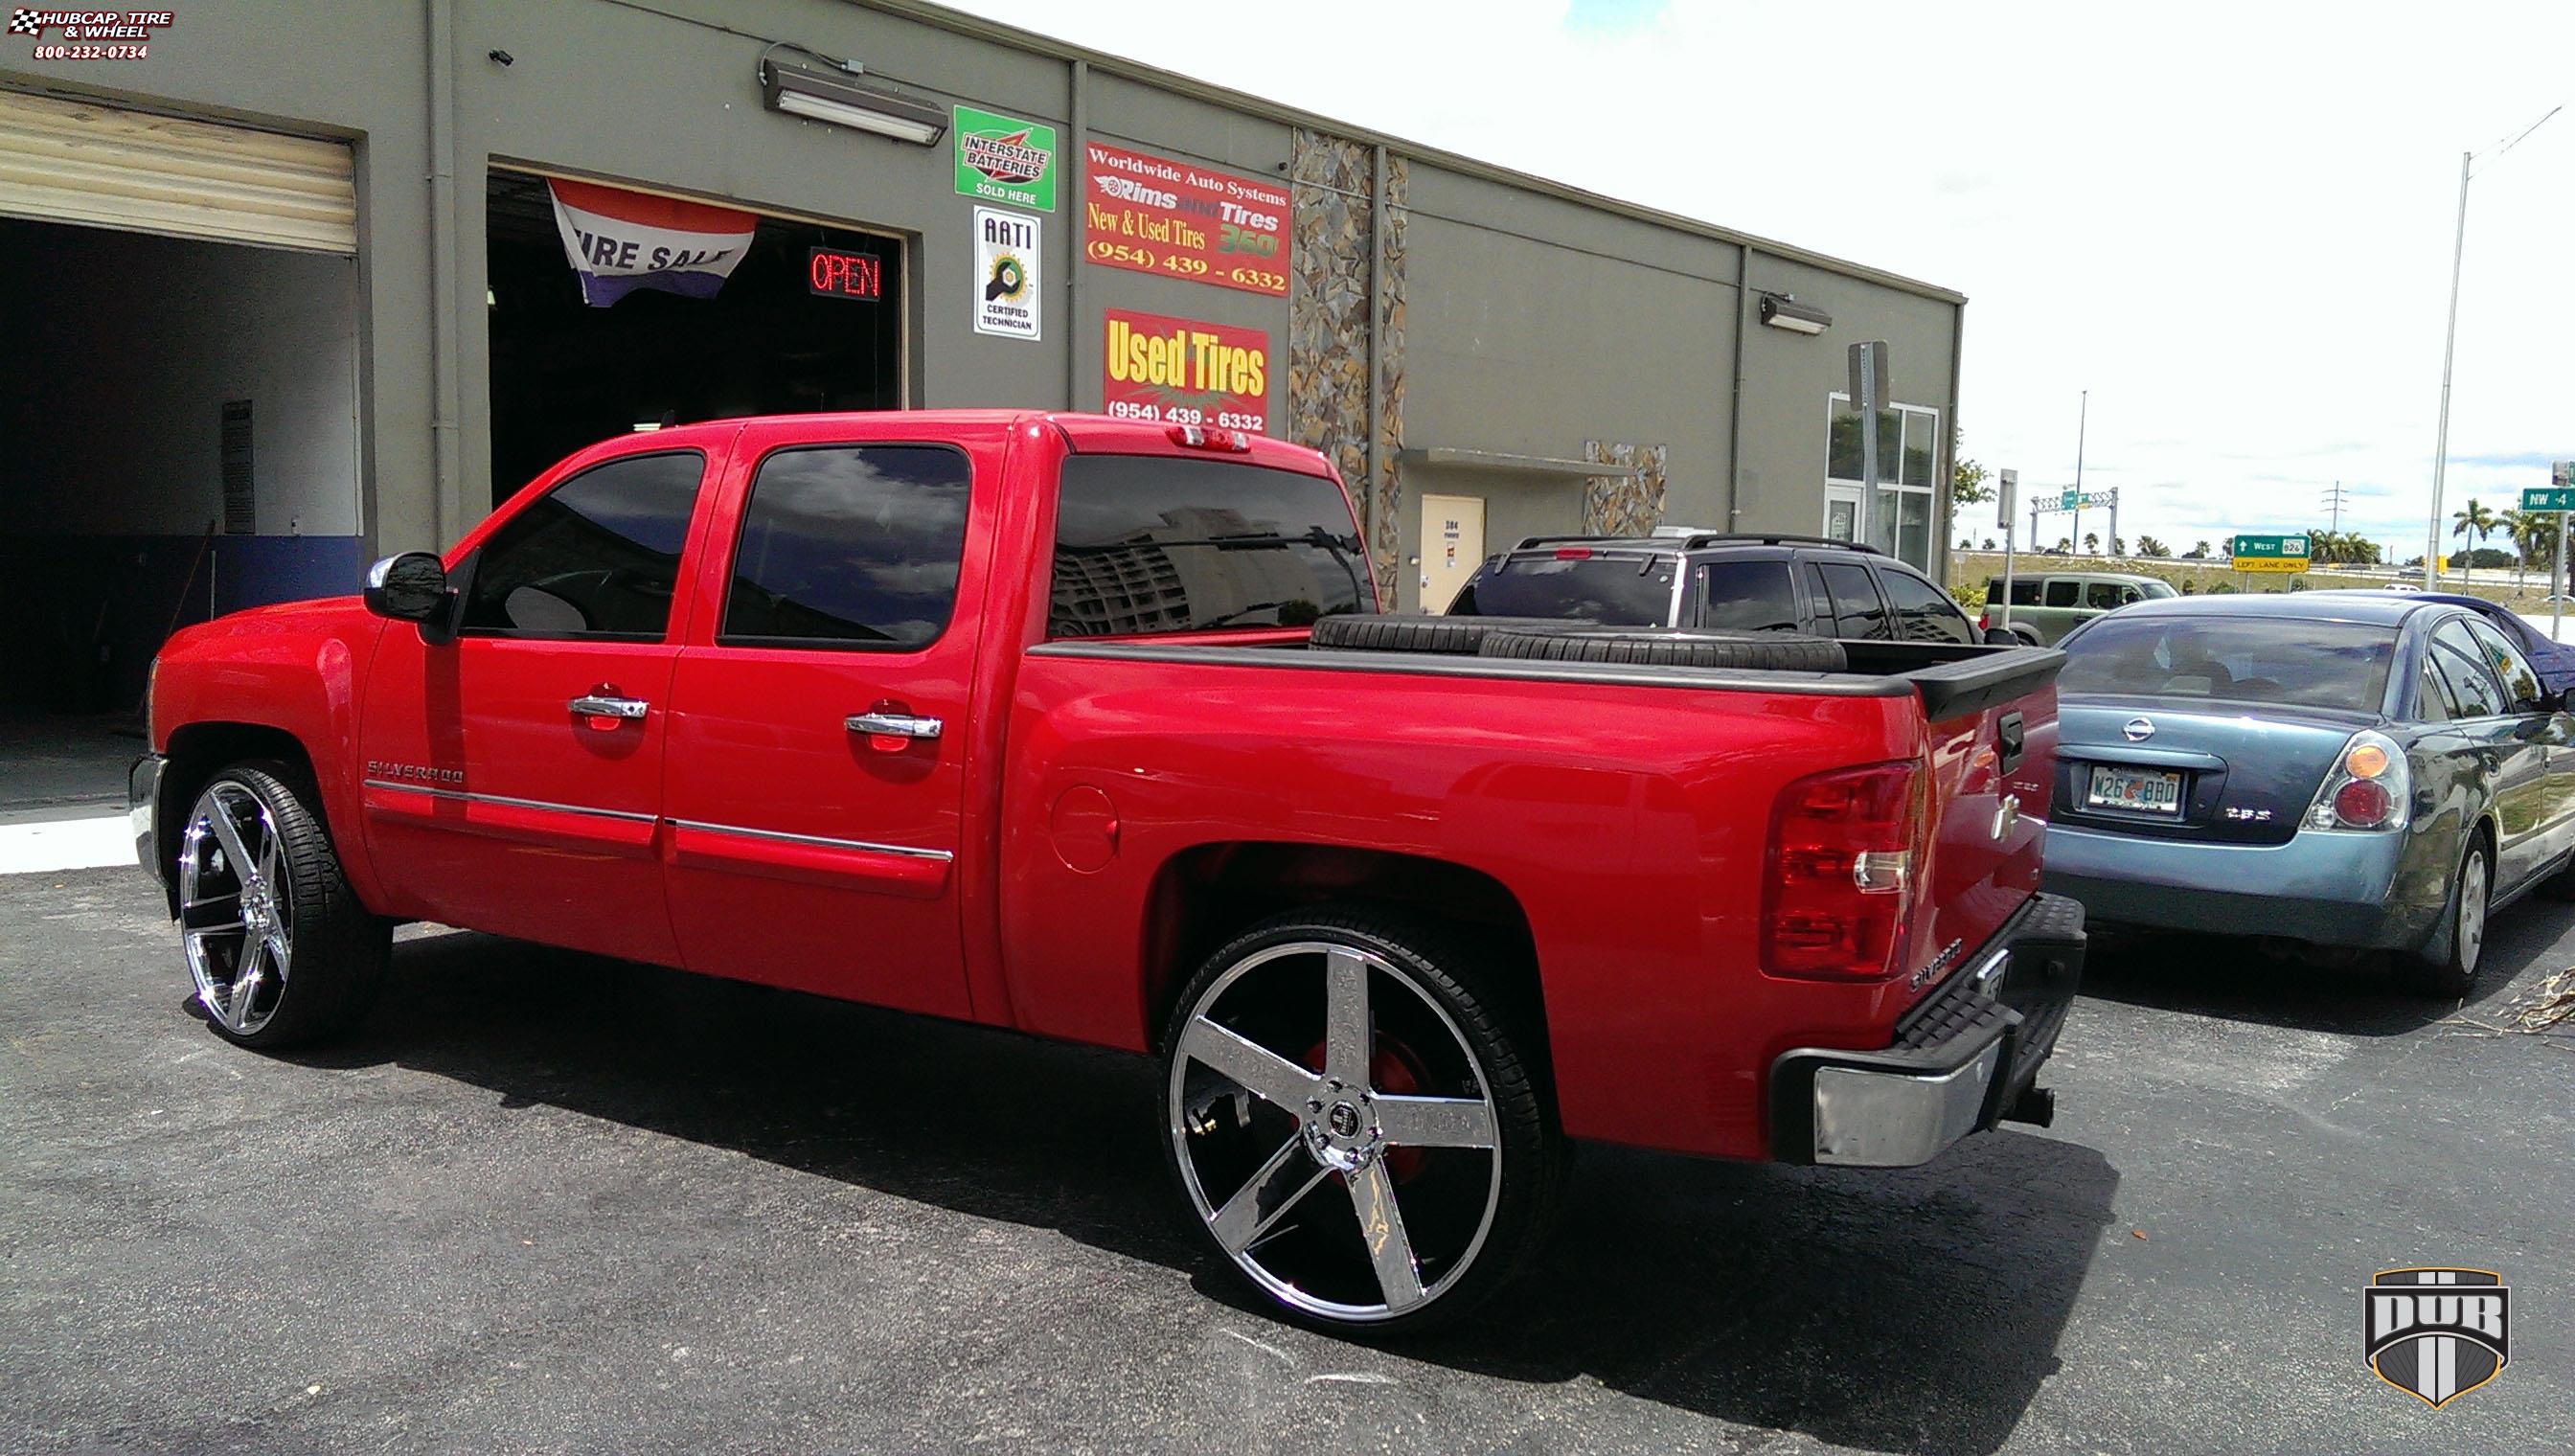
column 1393, row 1069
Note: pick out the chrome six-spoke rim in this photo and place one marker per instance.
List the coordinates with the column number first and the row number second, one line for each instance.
column 235, row 915
column 1302, row 1065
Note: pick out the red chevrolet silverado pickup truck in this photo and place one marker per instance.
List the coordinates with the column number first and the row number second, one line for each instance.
column 1023, row 718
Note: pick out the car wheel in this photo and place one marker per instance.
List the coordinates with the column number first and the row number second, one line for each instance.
column 1355, row 1123
column 280, row 949
column 2446, row 967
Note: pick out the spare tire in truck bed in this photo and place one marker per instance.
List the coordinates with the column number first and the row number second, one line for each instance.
column 1414, row 631
column 1672, row 648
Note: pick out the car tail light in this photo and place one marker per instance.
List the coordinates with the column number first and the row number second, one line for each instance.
column 1200, row 437
column 1844, row 871
column 1574, row 553
column 2367, row 789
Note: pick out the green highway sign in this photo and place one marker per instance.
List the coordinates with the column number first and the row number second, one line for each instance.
column 2284, row 552
column 2271, row 548
column 2539, row 497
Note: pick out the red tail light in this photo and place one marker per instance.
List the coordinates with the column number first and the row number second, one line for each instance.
column 1198, row 437
column 1985, row 621
column 1844, row 865
column 1574, row 553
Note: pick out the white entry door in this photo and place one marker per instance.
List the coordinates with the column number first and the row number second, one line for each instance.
column 1453, row 545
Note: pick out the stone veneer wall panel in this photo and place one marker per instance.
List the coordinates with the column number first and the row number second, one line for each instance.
column 1624, row 505
column 1328, row 324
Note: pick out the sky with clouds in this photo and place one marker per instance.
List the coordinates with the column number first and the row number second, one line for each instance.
column 2230, row 223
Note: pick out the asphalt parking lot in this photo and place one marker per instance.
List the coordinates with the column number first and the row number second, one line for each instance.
column 553, row 1203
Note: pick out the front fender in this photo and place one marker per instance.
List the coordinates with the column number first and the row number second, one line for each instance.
column 234, row 685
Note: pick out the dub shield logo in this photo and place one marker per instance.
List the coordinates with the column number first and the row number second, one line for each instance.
column 2436, row 1334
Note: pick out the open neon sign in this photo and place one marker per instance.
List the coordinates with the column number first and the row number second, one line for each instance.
column 836, row 274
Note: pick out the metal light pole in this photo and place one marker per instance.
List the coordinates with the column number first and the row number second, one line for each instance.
column 2449, row 350
column 2082, row 419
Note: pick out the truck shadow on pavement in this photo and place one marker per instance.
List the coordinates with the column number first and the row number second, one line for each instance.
column 2242, row 980
column 1909, row 1311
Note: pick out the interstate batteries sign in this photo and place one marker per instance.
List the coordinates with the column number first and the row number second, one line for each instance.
column 1179, row 372
column 1004, row 159
column 1154, row 215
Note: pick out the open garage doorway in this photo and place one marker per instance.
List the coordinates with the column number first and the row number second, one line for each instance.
column 179, row 429
column 795, row 326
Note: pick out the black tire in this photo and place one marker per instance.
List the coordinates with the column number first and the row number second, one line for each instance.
column 338, row 950
column 1675, row 650
column 2445, row 967
column 1499, row 1045
column 1420, row 633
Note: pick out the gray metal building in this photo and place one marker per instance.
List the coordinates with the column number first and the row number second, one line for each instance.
column 301, row 284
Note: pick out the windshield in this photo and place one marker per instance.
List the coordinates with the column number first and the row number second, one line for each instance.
column 2306, row 664
column 2155, row 588
column 1614, row 591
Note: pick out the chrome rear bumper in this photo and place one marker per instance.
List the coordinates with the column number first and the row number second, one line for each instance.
column 1964, row 1059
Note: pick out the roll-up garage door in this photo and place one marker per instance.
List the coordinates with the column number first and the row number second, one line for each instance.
column 101, row 165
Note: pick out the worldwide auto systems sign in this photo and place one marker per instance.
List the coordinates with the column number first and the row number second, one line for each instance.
column 1157, row 215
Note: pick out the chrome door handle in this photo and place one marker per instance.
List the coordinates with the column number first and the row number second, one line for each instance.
column 591, row 704
column 892, row 724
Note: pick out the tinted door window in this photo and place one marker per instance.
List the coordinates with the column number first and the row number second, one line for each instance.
column 1924, row 612
column 2064, row 594
column 1857, row 612
column 2106, row 595
column 852, row 545
column 2520, row 685
column 598, row 556
column 1746, row 596
column 1147, row 544
column 2455, row 656
column 2432, row 698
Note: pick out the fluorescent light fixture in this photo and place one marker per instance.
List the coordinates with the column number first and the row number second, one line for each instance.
column 1783, row 310
column 844, row 100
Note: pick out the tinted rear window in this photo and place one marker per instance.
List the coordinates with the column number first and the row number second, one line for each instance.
column 2303, row 664
column 1147, row 544
column 1616, row 590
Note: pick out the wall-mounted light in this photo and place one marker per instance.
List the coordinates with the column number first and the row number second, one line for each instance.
column 1783, row 310
column 841, row 98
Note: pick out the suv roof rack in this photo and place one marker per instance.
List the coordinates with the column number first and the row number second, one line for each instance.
column 1699, row 538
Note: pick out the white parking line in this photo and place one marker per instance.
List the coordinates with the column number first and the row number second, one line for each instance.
column 51, row 845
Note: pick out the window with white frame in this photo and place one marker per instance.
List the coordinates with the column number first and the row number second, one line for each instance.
column 1908, row 473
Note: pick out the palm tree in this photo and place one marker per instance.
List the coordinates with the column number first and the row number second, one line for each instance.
column 2092, row 543
column 2152, row 548
column 2199, row 552
column 2514, row 526
column 2473, row 524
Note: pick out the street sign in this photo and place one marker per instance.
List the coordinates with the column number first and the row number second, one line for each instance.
column 2276, row 553
column 2555, row 498
column 2074, row 500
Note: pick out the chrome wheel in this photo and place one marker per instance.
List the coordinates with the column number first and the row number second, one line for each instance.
column 236, row 911
column 1336, row 1130
column 2472, row 912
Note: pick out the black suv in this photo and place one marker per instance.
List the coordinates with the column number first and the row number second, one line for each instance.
column 1804, row 585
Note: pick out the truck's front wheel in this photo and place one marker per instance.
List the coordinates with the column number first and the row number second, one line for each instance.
column 279, row 947
column 1354, row 1123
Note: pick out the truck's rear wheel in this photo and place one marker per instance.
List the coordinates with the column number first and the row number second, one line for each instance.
column 279, row 947
column 1352, row 1123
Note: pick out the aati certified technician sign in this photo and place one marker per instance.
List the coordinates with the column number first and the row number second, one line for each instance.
column 1154, row 215
column 1007, row 299
column 1004, row 159
column 1185, row 372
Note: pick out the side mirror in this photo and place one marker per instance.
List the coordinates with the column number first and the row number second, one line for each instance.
column 411, row 588
column 2004, row 636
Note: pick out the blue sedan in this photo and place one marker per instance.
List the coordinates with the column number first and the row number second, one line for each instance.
column 2343, row 769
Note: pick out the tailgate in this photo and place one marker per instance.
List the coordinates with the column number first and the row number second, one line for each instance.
column 1990, row 781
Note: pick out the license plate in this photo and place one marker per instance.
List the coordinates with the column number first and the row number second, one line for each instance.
column 2136, row 790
